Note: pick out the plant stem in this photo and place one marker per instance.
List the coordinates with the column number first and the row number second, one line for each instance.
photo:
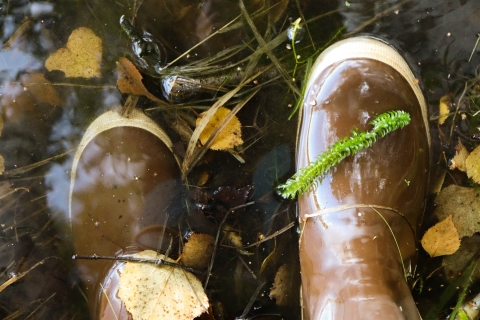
column 306, row 177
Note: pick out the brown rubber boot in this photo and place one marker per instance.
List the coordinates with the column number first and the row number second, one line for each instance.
column 125, row 180
column 351, row 261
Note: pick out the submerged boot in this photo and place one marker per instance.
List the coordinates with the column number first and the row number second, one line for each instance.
column 125, row 183
column 351, row 261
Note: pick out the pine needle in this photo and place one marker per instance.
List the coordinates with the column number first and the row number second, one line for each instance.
column 301, row 181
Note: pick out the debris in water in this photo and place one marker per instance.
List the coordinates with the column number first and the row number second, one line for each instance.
column 441, row 239
column 81, row 57
column 229, row 137
column 160, row 292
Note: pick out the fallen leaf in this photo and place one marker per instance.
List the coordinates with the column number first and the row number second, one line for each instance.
column 464, row 204
column 129, row 80
column 2, row 165
column 229, row 137
column 444, row 108
column 40, row 89
column 461, row 154
column 441, row 239
column 81, row 57
column 472, row 165
column 197, row 251
column 454, row 264
column 282, row 287
column 160, row 292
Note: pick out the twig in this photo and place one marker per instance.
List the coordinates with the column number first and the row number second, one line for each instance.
column 157, row 262
column 17, row 277
column 212, row 259
column 273, row 235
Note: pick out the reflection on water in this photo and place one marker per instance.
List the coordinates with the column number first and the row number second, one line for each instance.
column 43, row 120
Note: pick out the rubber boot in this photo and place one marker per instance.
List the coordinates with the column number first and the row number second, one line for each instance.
column 125, row 181
column 358, row 237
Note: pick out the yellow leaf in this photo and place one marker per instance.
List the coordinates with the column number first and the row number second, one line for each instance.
column 444, row 109
column 458, row 161
column 229, row 137
column 198, row 250
column 81, row 57
column 160, row 292
column 441, row 239
column 472, row 165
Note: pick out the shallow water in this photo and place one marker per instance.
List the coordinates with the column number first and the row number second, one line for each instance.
column 437, row 39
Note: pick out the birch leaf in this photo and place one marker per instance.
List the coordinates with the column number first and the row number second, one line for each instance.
column 160, row 292
column 81, row 57
column 441, row 239
column 229, row 137
column 472, row 164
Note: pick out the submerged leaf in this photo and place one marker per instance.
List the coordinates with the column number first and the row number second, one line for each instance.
column 40, row 89
column 458, row 161
column 464, row 204
column 160, row 292
column 229, row 137
column 197, row 251
column 472, row 164
column 443, row 108
column 81, row 57
column 441, row 239
column 282, row 290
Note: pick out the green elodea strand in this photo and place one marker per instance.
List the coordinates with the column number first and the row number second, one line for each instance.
column 306, row 177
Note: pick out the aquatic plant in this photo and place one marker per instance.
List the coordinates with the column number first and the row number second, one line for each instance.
column 306, row 177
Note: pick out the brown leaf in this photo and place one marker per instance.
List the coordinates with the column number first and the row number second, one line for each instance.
column 461, row 154
column 81, row 57
column 40, row 89
column 472, row 164
column 197, row 251
column 229, row 137
column 441, row 239
column 464, row 204
column 2, row 165
column 130, row 80
column 160, row 292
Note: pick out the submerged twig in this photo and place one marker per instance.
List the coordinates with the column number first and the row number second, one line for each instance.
column 19, row 276
column 35, row 165
column 212, row 259
column 158, row 262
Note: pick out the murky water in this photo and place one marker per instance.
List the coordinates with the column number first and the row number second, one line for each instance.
column 437, row 39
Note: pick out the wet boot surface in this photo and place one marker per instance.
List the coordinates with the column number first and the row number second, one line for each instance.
column 351, row 267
